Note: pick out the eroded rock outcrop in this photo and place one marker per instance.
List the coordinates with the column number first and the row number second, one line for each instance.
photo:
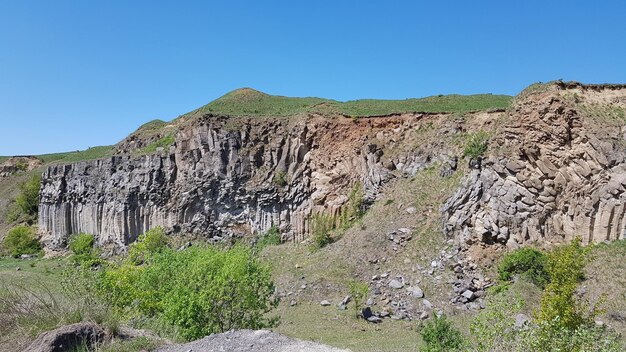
column 556, row 170
column 231, row 176
column 17, row 164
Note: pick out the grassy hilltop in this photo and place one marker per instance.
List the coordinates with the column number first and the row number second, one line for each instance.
column 250, row 102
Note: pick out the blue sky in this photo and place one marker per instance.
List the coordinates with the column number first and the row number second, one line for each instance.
column 75, row 74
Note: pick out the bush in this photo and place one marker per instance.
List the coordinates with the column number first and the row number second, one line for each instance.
column 439, row 335
column 476, row 145
column 270, row 238
column 26, row 204
column 565, row 266
column 358, row 291
column 321, row 227
column 561, row 324
column 21, row 240
column 84, row 253
column 528, row 262
column 280, row 178
column 198, row 290
column 493, row 328
column 587, row 337
column 153, row 241
column 81, row 244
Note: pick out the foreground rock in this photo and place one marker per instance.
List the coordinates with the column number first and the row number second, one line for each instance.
column 68, row 338
column 249, row 341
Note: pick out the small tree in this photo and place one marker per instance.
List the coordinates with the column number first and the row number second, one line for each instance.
column 26, row 204
column 358, row 291
column 21, row 240
column 439, row 335
column 565, row 266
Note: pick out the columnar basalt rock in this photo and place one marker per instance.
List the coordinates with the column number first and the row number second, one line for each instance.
column 557, row 170
column 232, row 176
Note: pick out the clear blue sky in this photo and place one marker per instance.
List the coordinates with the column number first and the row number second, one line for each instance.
column 75, row 74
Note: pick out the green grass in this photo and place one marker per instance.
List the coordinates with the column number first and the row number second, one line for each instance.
column 249, row 102
column 153, row 125
column 71, row 157
column 3, row 159
column 164, row 142
column 339, row 328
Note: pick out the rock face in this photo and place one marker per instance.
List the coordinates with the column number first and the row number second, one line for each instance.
column 556, row 170
column 232, row 176
column 17, row 164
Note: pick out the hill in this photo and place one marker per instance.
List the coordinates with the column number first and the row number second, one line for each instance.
column 250, row 102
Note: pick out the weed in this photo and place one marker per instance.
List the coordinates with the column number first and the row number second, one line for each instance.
column 439, row 335
column 358, row 291
column 476, row 146
column 270, row 238
column 280, row 179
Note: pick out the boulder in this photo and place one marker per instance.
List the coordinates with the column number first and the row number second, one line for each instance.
column 68, row 338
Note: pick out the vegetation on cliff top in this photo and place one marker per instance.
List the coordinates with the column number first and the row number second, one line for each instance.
column 250, row 102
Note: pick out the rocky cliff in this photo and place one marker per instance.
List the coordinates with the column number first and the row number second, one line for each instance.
column 556, row 170
column 231, row 176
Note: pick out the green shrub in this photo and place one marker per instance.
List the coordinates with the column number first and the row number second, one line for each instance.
column 476, row 145
column 280, row 178
column 164, row 142
column 528, row 262
column 556, row 337
column 82, row 248
column 271, row 237
column 26, row 204
column 21, row 240
column 353, row 211
column 565, row 266
column 81, row 243
column 199, row 290
column 321, row 227
column 492, row 329
column 358, row 291
column 439, row 335
column 153, row 241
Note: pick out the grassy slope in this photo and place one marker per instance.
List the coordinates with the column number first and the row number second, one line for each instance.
column 37, row 274
column 71, row 157
column 606, row 280
column 249, row 102
column 328, row 271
